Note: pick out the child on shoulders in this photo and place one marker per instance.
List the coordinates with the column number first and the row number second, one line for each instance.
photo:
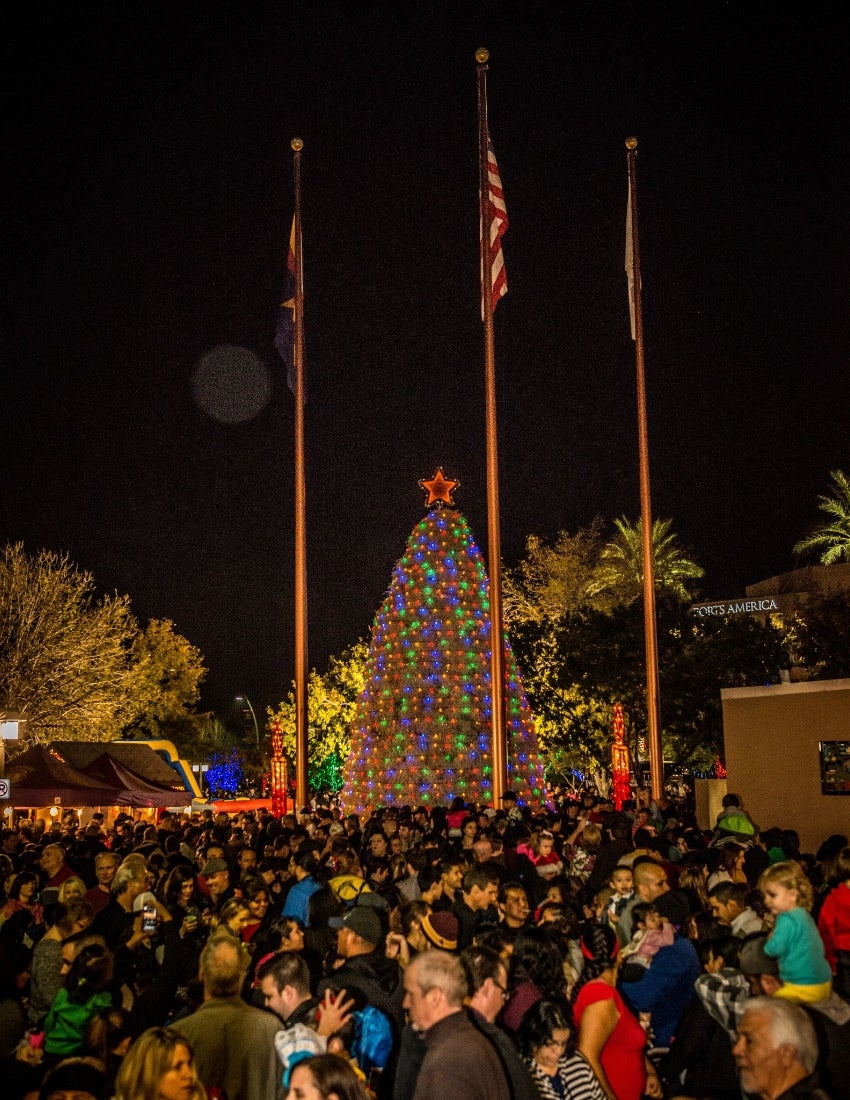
column 794, row 941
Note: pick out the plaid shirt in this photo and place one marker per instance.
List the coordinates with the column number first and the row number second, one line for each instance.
column 724, row 996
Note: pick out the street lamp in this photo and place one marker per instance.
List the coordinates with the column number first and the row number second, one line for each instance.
column 244, row 699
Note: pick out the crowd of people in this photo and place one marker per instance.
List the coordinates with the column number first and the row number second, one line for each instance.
column 424, row 953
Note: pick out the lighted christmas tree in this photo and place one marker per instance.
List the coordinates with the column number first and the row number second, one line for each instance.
column 422, row 730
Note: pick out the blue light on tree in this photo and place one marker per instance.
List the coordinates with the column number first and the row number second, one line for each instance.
column 225, row 773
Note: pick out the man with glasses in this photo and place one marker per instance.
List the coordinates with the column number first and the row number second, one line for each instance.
column 487, row 977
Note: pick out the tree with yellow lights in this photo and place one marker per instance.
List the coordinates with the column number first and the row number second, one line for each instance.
column 421, row 733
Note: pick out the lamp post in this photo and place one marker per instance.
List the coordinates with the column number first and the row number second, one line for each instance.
column 244, row 699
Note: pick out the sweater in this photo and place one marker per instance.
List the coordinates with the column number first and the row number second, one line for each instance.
column 796, row 944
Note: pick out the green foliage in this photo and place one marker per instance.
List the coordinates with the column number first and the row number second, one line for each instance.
column 78, row 666
column 579, row 656
column 820, row 639
column 167, row 672
column 698, row 657
column 331, row 701
column 619, row 568
column 552, row 581
column 327, row 776
column 206, row 736
column 832, row 538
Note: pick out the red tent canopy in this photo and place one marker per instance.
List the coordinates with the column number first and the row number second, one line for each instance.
column 40, row 776
column 140, row 792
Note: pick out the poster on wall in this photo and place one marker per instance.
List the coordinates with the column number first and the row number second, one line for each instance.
column 835, row 767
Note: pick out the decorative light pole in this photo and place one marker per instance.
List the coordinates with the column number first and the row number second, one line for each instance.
column 278, row 772
column 244, row 699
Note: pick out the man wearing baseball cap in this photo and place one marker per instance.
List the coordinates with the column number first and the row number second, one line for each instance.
column 366, row 972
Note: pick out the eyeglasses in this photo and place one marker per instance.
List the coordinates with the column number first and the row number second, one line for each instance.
column 502, row 989
column 562, row 1043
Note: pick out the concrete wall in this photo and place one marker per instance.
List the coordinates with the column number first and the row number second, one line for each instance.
column 771, row 737
column 708, row 799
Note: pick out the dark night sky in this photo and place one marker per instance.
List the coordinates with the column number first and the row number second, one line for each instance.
column 147, row 149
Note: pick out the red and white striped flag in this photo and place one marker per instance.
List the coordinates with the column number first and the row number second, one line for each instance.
column 497, row 215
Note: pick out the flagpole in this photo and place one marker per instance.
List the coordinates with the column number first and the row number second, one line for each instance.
column 497, row 643
column 302, row 790
column 653, row 701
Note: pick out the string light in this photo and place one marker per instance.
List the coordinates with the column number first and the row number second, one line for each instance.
column 421, row 732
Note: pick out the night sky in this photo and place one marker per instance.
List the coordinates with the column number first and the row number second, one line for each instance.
column 149, row 178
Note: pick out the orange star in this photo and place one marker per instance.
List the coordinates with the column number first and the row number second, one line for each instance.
column 439, row 488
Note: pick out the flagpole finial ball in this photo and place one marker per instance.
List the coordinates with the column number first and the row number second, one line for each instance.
column 482, row 56
column 297, row 145
column 631, row 143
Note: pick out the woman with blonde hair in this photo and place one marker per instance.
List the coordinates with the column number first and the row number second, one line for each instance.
column 72, row 888
column 160, row 1065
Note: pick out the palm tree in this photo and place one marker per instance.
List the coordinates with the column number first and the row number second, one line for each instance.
column 831, row 538
column 619, row 572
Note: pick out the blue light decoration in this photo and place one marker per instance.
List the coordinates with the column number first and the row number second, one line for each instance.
column 421, row 730
column 225, row 773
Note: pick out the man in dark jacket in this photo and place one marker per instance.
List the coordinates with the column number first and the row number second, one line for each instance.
column 459, row 1060
column 366, row 974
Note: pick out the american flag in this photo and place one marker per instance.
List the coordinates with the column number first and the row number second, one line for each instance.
column 497, row 215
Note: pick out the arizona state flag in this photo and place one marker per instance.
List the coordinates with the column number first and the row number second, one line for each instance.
column 284, row 337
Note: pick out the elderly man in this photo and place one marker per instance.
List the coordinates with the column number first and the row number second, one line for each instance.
column 459, row 1060
column 53, row 866
column 776, row 1051
column 105, row 866
column 115, row 920
column 234, row 1043
column 829, row 1017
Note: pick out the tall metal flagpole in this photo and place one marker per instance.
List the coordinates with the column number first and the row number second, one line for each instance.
column 302, row 790
column 497, row 644
column 653, row 695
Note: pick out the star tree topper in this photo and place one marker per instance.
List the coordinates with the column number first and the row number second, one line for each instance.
column 439, row 488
